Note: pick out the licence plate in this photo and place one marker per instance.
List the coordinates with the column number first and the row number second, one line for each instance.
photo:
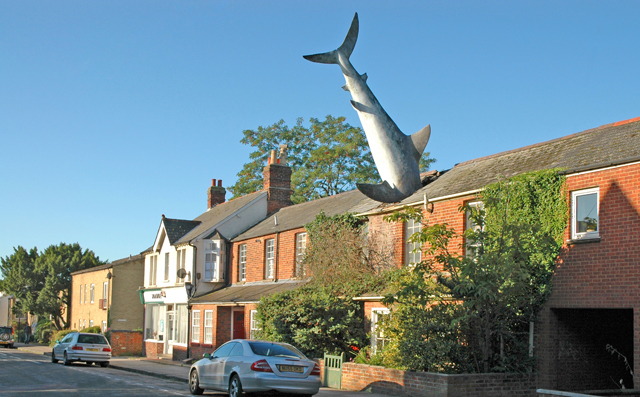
column 91, row 349
column 291, row 368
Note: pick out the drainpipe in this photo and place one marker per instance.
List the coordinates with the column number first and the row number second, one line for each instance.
column 193, row 280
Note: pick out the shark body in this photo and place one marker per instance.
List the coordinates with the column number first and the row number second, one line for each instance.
column 396, row 155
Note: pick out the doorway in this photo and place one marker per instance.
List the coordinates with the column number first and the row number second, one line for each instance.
column 237, row 324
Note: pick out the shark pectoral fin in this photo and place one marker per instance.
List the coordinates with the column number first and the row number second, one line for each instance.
column 361, row 107
column 382, row 192
column 345, row 87
column 420, row 140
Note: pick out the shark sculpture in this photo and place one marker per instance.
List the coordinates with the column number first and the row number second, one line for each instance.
column 396, row 155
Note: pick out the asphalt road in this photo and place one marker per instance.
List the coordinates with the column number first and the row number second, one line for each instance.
column 26, row 374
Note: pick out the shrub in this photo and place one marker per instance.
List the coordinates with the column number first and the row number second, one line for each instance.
column 92, row 330
column 59, row 335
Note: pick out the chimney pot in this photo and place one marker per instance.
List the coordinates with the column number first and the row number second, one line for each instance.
column 219, row 182
column 213, row 182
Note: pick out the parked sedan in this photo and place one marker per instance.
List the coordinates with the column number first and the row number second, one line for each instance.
column 80, row 346
column 255, row 366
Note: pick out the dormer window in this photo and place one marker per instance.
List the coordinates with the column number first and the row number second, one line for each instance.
column 212, row 256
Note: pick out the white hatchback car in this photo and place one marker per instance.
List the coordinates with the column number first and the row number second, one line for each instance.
column 80, row 346
column 255, row 366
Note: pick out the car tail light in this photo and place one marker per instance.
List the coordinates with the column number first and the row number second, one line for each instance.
column 11, row 331
column 261, row 366
column 315, row 370
column 76, row 347
column 106, row 349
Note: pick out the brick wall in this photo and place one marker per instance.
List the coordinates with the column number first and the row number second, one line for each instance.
column 597, row 275
column 179, row 353
column 416, row 384
column 221, row 329
column 126, row 343
column 153, row 349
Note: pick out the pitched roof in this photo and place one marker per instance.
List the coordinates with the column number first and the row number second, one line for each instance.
column 215, row 215
column 295, row 216
column 609, row 144
column 112, row 264
column 246, row 293
column 176, row 228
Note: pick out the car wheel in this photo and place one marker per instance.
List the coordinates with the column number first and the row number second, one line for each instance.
column 104, row 364
column 194, row 383
column 235, row 387
column 53, row 357
column 66, row 359
column 88, row 363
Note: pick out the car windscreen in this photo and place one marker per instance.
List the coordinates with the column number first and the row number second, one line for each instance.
column 94, row 339
column 274, row 350
column 5, row 329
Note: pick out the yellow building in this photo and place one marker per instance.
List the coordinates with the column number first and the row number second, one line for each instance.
column 107, row 296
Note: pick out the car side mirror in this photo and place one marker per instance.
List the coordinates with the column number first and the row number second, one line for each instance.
column 206, row 355
column 57, row 341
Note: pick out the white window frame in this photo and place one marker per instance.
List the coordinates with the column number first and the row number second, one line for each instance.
column 80, row 293
column 195, row 326
column 269, row 258
column 410, row 227
column 212, row 255
column 375, row 319
column 86, row 289
column 253, row 324
column 167, row 266
column 242, row 262
column 470, row 224
column 153, row 268
column 208, row 327
column 180, row 264
column 575, row 234
column 105, row 290
column 92, row 292
column 90, row 323
column 104, row 327
column 301, row 248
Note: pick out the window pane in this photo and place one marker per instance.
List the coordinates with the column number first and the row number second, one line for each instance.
column 269, row 255
column 587, row 213
column 242, row 261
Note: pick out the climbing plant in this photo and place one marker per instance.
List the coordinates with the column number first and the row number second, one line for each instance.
column 492, row 288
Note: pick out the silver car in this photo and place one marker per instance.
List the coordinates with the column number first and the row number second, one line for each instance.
column 255, row 366
column 80, row 346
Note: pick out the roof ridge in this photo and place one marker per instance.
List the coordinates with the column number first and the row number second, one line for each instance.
column 604, row 126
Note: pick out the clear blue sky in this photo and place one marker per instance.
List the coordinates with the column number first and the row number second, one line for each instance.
column 113, row 113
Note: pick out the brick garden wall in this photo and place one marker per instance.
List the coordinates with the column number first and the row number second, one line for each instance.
column 377, row 379
column 153, row 349
column 126, row 343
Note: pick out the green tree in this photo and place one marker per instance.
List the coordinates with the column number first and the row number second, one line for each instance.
column 42, row 281
column 326, row 157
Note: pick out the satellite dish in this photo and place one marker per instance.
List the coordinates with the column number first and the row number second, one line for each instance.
column 182, row 273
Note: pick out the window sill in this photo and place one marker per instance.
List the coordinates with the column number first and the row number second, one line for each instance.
column 584, row 240
column 207, row 345
column 196, row 344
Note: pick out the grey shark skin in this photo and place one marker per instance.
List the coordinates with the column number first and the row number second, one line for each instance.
column 396, row 155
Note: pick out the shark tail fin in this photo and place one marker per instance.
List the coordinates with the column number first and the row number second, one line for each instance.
column 346, row 48
column 382, row 192
column 420, row 140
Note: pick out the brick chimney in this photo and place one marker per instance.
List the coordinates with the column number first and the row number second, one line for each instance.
column 215, row 194
column 277, row 181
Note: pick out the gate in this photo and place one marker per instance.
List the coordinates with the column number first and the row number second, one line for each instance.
column 333, row 371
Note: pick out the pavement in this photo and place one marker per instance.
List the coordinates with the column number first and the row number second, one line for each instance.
column 164, row 369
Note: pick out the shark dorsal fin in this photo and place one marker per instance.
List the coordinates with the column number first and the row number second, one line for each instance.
column 360, row 107
column 364, row 77
column 420, row 140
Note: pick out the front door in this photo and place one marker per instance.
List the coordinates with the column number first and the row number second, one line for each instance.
column 171, row 326
column 238, row 325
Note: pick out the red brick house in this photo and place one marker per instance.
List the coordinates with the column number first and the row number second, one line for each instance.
column 588, row 334
column 263, row 260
